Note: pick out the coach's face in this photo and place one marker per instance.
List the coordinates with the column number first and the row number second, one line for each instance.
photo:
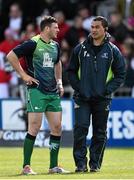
column 97, row 30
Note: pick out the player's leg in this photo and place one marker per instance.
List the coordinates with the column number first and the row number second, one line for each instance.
column 35, row 107
column 54, row 116
column 34, row 123
column 54, row 119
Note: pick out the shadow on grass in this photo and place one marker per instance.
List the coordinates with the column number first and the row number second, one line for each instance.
column 46, row 174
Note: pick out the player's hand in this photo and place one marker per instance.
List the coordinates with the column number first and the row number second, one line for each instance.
column 60, row 87
column 29, row 80
column 61, row 91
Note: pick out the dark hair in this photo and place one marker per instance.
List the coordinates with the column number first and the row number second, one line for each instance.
column 103, row 21
column 47, row 21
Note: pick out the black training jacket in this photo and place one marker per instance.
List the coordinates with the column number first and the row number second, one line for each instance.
column 96, row 76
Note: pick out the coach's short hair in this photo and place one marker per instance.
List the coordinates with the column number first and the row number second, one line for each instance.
column 47, row 21
column 103, row 21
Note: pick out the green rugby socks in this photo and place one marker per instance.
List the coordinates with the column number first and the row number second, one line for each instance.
column 54, row 150
column 28, row 148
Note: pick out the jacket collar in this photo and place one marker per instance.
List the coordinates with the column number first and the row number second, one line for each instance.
column 105, row 40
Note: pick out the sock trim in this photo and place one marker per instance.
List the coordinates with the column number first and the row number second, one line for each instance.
column 29, row 136
column 53, row 137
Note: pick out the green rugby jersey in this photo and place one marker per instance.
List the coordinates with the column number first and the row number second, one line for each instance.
column 40, row 59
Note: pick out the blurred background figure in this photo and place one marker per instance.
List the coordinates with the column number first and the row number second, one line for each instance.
column 74, row 19
column 117, row 29
column 76, row 33
column 87, row 17
column 63, row 26
column 4, row 79
column 130, row 26
column 15, row 19
column 9, row 42
column 106, row 7
column 7, row 79
column 125, row 7
column 128, row 51
column 29, row 32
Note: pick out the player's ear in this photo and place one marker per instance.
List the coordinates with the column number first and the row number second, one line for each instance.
column 106, row 28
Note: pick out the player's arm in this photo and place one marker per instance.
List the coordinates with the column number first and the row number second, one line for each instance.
column 58, row 77
column 13, row 58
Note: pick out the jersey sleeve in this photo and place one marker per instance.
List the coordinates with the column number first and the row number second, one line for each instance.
column 25, row 49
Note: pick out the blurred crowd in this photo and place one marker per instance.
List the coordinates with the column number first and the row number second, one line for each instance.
column 19, row 21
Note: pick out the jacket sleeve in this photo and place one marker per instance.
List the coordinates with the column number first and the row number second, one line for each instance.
column 73, row 70
column 119, row 72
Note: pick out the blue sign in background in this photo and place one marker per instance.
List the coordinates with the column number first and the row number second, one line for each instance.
column 121, row 120
column 120, row 123
column 120, row 126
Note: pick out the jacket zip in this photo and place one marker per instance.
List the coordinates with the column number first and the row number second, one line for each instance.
column 95, row 64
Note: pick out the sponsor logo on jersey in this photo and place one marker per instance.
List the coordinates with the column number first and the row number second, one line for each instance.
column 36, row 107
column 47, row 62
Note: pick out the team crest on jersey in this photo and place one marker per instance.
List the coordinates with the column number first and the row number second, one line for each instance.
column 104, row 55
column 47, row 62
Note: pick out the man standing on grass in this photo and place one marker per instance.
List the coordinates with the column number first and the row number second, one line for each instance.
column 96, row 70
column 44, row 88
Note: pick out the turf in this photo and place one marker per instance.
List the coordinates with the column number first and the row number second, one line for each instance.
column 118, row 164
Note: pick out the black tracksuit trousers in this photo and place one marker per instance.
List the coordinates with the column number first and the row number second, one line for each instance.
column 99, row 109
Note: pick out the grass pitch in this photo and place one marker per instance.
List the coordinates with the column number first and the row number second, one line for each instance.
column 117, row 164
